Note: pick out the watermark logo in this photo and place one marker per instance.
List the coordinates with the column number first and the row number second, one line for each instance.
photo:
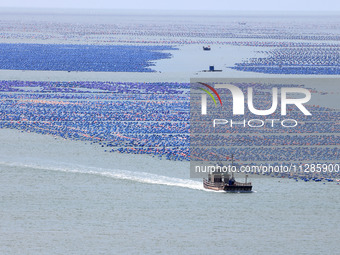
column 204, row 97
column 238, row 98
column 266, row 125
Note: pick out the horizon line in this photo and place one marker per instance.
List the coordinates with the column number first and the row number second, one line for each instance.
column 6, row 8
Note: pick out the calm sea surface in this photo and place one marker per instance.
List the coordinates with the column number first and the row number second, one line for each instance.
column 78, row 202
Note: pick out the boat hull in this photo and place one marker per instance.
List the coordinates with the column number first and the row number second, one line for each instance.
column 236, row 187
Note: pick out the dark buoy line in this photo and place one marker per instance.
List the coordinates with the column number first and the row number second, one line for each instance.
column 153, row 119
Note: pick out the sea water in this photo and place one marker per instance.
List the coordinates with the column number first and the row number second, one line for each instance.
column 74, row 202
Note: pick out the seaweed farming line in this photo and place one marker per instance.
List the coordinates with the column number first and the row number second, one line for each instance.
column 161, row 128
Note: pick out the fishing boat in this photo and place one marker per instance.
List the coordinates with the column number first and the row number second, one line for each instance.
column 219, row 180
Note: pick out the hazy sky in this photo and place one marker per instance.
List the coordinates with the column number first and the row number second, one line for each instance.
column 256, row 5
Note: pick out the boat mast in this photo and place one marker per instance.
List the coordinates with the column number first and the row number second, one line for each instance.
column 232, row 163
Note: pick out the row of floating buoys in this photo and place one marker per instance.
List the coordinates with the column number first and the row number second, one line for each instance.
column 267, row 154
column 153, row 118
column 164, row 30
column 264, row 140
column 85, row 58
column 295, row 60
column 138, row 118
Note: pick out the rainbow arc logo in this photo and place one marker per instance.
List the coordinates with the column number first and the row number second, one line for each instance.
column 209, row 93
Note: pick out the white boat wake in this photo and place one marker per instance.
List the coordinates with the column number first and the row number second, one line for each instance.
column 135, row 176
